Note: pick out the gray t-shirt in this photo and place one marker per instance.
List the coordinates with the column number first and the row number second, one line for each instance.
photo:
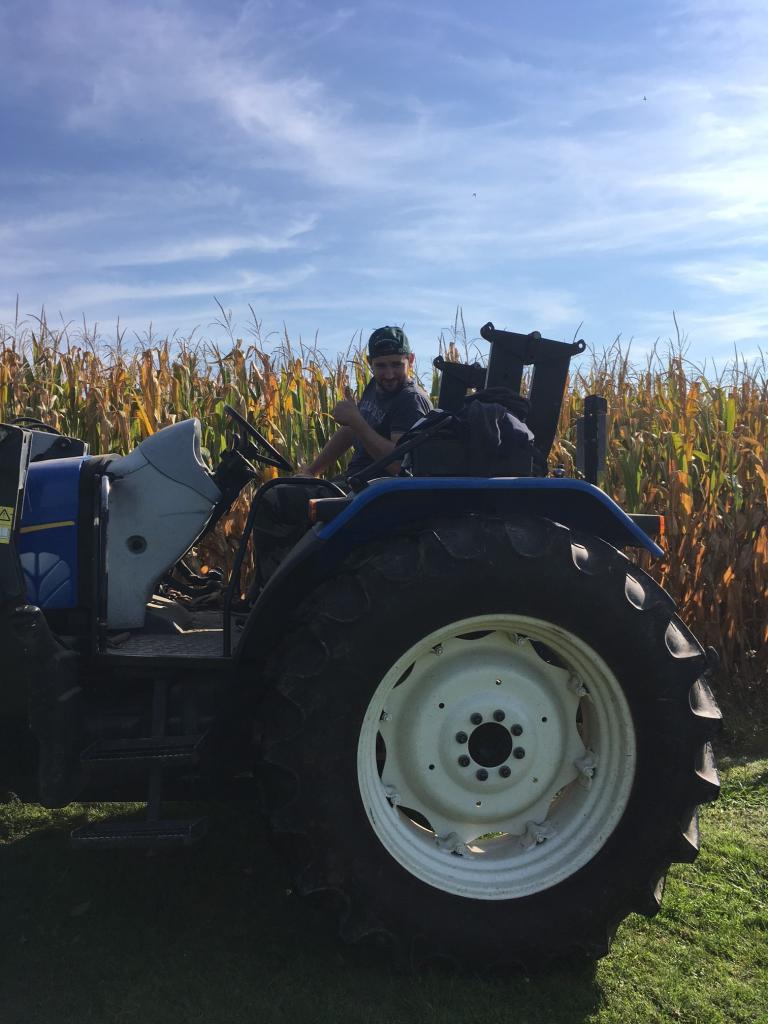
column 388, row 414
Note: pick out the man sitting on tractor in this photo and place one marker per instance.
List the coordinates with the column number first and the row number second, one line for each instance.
column 389, row 406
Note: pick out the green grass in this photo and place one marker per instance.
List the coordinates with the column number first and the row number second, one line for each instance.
column 213, row 935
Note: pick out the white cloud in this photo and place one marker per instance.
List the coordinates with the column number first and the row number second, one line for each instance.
column 212, row 247
column 743, row 330
column 527, row 162
column 18, row 230
column 96, row 293
column 747, row 277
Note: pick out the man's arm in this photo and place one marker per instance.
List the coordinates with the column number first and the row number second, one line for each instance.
column 332, row 451
column 347, row 412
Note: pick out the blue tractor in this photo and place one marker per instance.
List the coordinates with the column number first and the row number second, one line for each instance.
column 471, row 719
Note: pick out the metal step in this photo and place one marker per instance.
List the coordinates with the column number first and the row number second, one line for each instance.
column 145, row 835
column 149, row 750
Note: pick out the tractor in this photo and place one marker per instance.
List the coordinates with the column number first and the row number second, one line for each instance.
column 474, row 725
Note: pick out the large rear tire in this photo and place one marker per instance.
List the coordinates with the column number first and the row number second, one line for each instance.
column 489, row 738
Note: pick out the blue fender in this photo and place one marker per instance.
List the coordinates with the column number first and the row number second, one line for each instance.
column 574, row 503
column 48, row 534
column 388, row 505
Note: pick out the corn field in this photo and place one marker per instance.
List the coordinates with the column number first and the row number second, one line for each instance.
column 690, row 446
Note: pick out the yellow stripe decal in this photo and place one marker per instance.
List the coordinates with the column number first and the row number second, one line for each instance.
column 46, row 526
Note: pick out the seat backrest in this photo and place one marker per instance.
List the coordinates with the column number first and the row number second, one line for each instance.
column 160, row 501
column 175, row 452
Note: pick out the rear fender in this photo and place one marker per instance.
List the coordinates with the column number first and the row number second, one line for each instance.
column 391, row 505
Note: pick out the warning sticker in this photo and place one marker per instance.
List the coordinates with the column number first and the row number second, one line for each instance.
column 6, row 523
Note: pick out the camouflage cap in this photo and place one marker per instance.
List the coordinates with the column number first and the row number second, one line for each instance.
column 388, row 341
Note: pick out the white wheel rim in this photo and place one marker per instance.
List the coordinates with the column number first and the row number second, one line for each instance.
column 537, row 817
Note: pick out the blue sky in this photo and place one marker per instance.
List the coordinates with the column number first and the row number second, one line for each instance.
column 338, row 167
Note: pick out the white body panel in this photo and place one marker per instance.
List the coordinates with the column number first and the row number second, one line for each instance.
column 161, row 498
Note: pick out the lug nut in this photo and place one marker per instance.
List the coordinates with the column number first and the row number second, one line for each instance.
column 505, row 771
column 499, row 716
column 518, row 752
column 475, row 718
column 464, row 761
column 482, row 774
column 516, row 730
column 461, row 737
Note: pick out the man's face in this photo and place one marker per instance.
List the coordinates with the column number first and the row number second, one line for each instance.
column 391, row 372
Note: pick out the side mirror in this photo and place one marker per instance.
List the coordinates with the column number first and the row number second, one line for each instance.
column 591, row 439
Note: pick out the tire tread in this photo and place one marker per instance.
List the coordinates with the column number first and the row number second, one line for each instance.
column 319, row 636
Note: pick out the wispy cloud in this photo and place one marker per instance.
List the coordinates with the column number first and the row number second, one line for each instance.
column 737, row 330
column 214, row 248
column 747, row 277
column 254, row 284
column 409, row 156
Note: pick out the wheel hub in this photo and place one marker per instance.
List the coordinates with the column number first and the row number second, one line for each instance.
column 489, row 753
column 490, row 745
column 473, row 689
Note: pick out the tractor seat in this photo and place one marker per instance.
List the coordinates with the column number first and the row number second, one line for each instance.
column 160, row 500
column 175, row 453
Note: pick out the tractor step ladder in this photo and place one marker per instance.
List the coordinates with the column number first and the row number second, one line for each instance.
column 176, row 750
column 147, row 834
column 153, row 754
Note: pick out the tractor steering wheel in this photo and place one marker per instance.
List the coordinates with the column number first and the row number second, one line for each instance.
column 34, row 424
column 247, row 447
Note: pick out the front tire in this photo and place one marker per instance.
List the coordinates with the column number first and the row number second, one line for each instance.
column 489, row 738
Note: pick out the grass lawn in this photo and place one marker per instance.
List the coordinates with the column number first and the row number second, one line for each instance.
column 213, row 935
